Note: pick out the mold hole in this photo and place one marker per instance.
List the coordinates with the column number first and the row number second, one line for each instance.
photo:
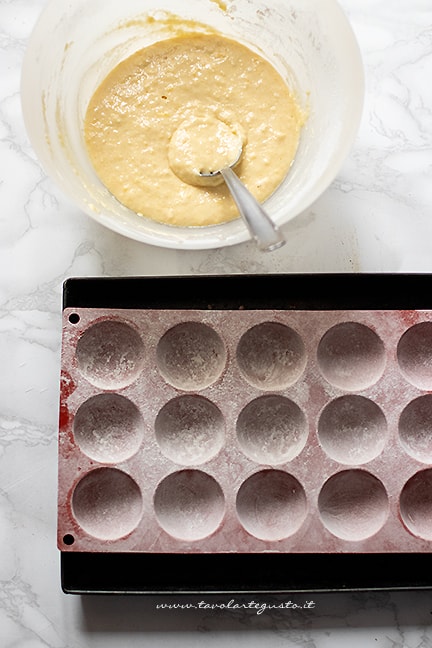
column 414, row 353
column 191, row 356
column 351, row 356
column 190, row 429
column 109, row 354
column 74, row 318
column 271, row 505
column 352, row 429
column 353, row 505
column 415, row 428
column 271, row 356
column 108, row 428
column 416, row 504
column 272, row 429
column 107, row 504
column 189, row 505
column 68, row 539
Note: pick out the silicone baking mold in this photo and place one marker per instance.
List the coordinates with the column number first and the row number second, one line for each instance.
column 243, row 426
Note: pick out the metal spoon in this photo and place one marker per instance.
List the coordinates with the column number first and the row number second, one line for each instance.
column 259, row 223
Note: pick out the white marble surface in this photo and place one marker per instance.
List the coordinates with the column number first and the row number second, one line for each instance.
column 376, row 216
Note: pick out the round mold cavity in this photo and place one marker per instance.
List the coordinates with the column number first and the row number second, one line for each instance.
column 107, row 504
column 190, row 429
column 415, row 428
column 271, row 355
column 109, row 354
column 352, row 429
column 416, row 504
column 353, row 505
column 272, row 429
column 414, row 354
column 271, row 505
column 189, row 505
column 191, row 356
column 351, row 356
column 108, row 428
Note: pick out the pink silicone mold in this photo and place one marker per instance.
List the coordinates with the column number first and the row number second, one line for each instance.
column 245, row 431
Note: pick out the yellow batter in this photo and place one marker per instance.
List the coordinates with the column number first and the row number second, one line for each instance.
column 185, row 105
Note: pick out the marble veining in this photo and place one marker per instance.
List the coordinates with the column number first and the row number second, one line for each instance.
column 374, row 217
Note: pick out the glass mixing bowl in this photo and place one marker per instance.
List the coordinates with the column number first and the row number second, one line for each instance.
column 75, row 44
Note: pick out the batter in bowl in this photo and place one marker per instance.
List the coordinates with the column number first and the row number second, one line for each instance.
column 184, row 105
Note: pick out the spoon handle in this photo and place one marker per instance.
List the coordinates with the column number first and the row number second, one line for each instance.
column 261, row 227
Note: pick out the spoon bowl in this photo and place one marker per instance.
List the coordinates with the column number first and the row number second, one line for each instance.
column 203, row 151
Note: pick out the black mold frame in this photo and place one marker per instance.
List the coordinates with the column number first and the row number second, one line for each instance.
column 90, row 572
